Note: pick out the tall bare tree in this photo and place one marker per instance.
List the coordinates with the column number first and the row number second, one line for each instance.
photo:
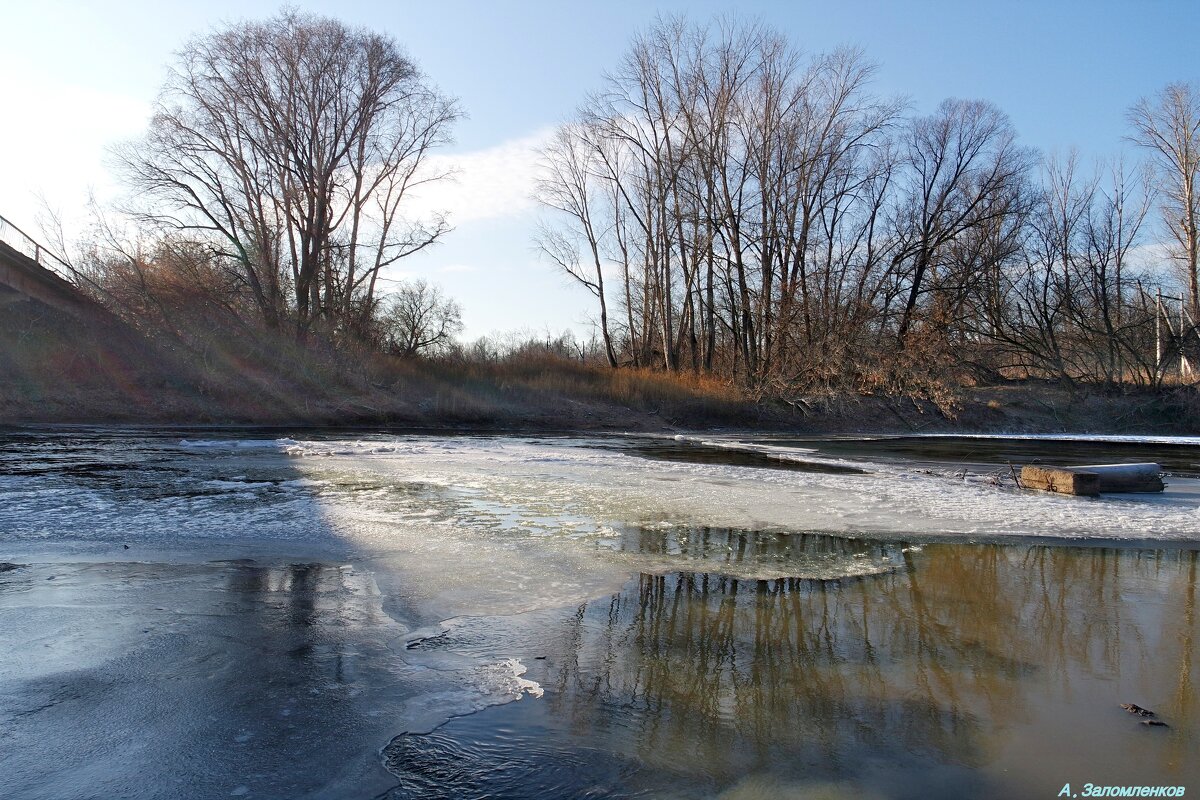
column 962, row 162
column 287, row 147
column 568, row 183
column 1168, row 125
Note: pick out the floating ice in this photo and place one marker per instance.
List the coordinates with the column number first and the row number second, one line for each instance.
column 504, row 678
column 517, row 499
column 1072, row 437
column 236, row 444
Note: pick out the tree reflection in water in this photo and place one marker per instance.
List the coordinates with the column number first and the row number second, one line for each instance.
column 970, row 670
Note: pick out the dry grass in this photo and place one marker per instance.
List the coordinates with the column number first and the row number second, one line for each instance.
column 636, row 389
column 63, row 369
column 59, row 369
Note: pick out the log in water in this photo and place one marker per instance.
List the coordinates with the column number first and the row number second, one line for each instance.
column 1093, row 479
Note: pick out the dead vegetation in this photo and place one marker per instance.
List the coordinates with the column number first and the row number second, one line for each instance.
column 62, row 369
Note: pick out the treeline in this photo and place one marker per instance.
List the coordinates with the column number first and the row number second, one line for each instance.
column 740, row 209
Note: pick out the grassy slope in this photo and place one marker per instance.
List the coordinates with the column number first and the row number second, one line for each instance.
column 55, row 368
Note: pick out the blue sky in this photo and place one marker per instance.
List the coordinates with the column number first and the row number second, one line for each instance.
column 75, row 77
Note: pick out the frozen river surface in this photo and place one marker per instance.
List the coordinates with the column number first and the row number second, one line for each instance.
column 217, row 614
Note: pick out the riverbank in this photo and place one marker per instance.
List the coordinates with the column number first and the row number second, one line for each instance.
column 61, row 369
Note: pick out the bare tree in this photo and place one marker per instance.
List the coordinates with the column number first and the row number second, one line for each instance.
column 962, row 163
column 286, row 147
column 729, row 180
column 418, row 318
column 1103, row 299
column 1168, row 125
column 568, row 184
column 1067, row 303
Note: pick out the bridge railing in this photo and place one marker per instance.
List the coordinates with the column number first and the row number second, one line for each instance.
column 25, row 244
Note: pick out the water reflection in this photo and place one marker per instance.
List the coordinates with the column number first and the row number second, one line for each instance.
column 974, row 671
column 300, row 615
column 754, row 555
column 154, row 680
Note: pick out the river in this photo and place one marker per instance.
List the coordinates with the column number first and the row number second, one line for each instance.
column 285, row 614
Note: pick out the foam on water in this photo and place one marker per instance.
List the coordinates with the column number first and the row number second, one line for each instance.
column 505, row 676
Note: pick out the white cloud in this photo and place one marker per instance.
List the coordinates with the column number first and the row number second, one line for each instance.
column 53, row 144
column 59, row 150
column 491, row 183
